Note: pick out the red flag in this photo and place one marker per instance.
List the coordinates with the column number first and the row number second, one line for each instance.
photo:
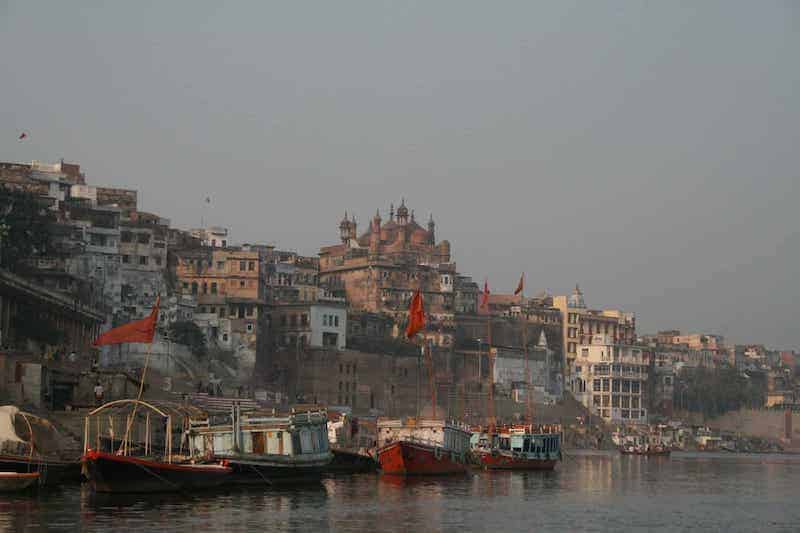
column 520, row 285
column 416, row 315
column 22, row 135
column 485, row 299
column 137, row 331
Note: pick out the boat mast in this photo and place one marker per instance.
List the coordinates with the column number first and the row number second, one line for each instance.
column 431, row 377
column 528, row 385
column 490, row 397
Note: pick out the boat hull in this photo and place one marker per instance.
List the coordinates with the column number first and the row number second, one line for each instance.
column 51, row 472
column 501, row 461
column 347, row 462
column 255, row 473
column 17, row 482
column 414, row 459
column 109, row 473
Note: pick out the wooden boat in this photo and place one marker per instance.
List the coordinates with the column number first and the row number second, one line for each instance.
column 265, row 447
column 110, row 472
column 17, row 482
column 51, row 472
column 414, row 447
column 519, row 448
column 115, row 462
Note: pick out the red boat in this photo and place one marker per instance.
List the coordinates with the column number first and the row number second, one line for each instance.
column 108, row 472
column 422, row 447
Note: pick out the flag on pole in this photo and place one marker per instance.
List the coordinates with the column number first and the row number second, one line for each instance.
column 137, row 331
column 520, row 285
column 485, row 298
column 416, row 315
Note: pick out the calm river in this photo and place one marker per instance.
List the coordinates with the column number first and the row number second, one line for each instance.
column 588, row 492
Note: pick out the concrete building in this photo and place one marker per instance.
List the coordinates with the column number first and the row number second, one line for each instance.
column 230, row 295
column 610, row 379
column 580, row 325
column 213, row 237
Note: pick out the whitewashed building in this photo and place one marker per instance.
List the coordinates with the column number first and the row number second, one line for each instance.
column 611, row 380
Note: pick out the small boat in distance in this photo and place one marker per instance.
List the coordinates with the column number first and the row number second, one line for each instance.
column 414, row 447
column 17, row 481
column 519, row 448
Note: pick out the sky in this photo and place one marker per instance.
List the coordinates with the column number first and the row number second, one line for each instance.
column 646, row 150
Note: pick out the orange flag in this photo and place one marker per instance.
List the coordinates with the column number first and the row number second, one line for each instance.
column 520, row 285
column 137, row 331
column 416, row 315
column 485, row 298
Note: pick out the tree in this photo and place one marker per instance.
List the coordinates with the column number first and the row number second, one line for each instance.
column 189, row 334
column 24, row 227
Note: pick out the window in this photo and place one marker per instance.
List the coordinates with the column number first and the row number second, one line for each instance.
column 615, row 401
column 304, row 319
column 606, row 385
column 205, row 287
column 126, row 259
column 635, row 387
column 336, row 321
column 251, row 265
column 249, row 327
column 572, row 333
column 571, row 347
column 224, row 243
column 615, row 385
column 185, row 284
column 605, row 400
column 224, row 337
column 578, row 369
column 596, row 385
column 143, row 259
column 194, row 287
column 626, row 402
column 241, row 284
column 626, row 385
column 584, row 352
column 635, row 402
column 220, row 265
column 126, row 236
column 143, row 238
column 242, row 266
column 213, row 287
column 596, row 401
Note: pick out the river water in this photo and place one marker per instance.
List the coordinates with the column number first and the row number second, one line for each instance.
column 588, row 492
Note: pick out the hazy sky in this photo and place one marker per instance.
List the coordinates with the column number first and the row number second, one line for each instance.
column 648, row 150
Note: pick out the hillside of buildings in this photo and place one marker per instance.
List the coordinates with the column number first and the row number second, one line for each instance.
column 255, row 320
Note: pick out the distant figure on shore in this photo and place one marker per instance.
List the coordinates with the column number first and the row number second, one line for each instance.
column 98, row 394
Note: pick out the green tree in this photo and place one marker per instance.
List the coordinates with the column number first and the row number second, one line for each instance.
column 24, row 227
column 187, row 333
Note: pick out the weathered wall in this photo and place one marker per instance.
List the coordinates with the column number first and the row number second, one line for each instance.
column 759, row 423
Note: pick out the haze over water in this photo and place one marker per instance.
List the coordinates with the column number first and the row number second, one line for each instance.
column 588, row 492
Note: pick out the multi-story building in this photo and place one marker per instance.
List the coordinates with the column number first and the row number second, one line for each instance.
column 580, row 325
column 213, row 237
column 228, row 288
column 143, row 255
column 610, row 379
column 380, row 270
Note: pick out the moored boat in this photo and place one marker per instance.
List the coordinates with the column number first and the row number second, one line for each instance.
column 422, row 447
column 110, row 472
column 121, row 454
column 264, row 447
column 519, row 448
column 30, row 444
column 656, row 451
column 17, row 481
column 350, row 462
